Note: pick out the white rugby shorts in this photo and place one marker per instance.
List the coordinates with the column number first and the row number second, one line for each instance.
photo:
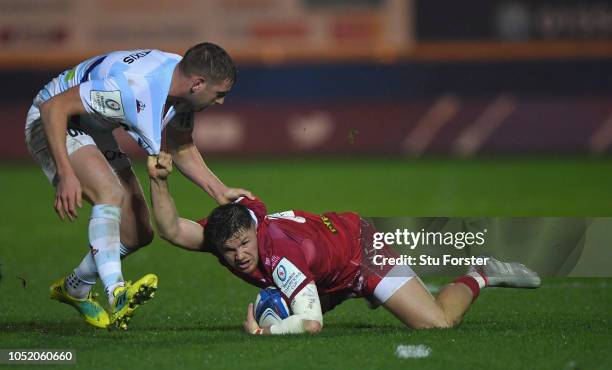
column 76, row 137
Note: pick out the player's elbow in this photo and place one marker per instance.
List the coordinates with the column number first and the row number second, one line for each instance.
column 53, row 104
column 312, row 326
column 169, row 234
column 45, row 108
column 62, row 105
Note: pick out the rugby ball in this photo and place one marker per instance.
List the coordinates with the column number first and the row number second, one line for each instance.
column 270, row 307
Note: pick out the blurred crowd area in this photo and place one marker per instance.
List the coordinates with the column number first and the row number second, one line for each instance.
column 390, row 77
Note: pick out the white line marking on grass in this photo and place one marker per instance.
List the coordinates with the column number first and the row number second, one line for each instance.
column 410, row 351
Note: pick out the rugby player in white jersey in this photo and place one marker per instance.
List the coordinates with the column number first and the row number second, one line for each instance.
column 69, row 133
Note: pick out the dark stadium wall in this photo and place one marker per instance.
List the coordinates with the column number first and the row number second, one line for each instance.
column 443, row 108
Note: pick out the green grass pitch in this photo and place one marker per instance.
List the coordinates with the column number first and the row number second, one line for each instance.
column 195, row 319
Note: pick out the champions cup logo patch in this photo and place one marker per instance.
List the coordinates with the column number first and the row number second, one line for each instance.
column 111, row 104
column 287, row 277
column 107, row 103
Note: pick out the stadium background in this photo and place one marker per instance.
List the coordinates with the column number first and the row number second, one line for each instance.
column 388, row 108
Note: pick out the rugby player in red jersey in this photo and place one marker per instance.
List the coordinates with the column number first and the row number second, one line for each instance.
column 317, row 261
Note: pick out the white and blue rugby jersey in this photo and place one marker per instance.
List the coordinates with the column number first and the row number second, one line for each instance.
column 122, row 88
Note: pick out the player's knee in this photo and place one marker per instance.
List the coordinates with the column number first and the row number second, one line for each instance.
column 111, row 194
column 440, row 322
column 312, row 326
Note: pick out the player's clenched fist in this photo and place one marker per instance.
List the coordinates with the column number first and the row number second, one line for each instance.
column 159, row 166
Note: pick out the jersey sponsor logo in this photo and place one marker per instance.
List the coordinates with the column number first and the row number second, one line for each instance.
column 69, row 75
column 121, row 300
column 107, row 103
column 287, row 276
column 286, row 215
column 74, row 132
column 330, row 225
column 134, row 57
column 139, row 106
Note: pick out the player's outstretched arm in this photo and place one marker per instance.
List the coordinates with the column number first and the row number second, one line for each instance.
column 306, row 317
column 191, row 164
column 54, row 114
column 178, row 231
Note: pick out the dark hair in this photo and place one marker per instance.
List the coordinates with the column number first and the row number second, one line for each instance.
column 224, row 222
column 210, row 60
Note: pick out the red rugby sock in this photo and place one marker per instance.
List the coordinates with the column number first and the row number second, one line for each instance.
column 473, row 280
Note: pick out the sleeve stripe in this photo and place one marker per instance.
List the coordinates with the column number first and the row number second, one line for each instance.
column 91, row 67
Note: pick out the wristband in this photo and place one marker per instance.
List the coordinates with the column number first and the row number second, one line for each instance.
column 258, row 331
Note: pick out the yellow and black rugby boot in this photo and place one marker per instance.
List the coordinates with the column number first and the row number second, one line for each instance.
column 89, row 309
column 129, row 297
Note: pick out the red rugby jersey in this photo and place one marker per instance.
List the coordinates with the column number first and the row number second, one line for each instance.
column 297, row 247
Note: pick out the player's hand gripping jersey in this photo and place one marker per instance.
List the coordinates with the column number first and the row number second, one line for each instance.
column 120, row 89
column 297, row 247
